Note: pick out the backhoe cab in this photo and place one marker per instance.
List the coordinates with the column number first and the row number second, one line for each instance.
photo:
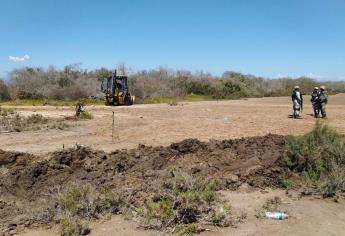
column 116, row 91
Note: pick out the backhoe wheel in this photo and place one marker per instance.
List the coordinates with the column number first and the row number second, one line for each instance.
column 107, row 102
column 128, row 101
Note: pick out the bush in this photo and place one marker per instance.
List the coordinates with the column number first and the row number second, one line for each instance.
column 320, row 156
column 78, row 200
column 84, row 201
column 80, row 203
column 6, row 112
column 72, row 82
column 285, row 182
column 271, row 205
column 4, row 93
column 221, row 217
column 85, row 115
column 36, row 119
column 11, row 121
column 162, row 209
column 73, row 227
column 188, row 230
column 184, row 201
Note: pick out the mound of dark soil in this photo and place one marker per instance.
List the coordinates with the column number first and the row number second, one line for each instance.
column 139, row 172
column 11, row 159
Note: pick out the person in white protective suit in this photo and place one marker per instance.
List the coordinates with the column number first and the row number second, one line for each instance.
column 297, row 101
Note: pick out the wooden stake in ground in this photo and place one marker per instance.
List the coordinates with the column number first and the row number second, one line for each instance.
column 113, row 126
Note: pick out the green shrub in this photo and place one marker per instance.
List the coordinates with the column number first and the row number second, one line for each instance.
column 319, row 155
column 6, row 111
column 85, row 115
column 221, row 217
column 188, row 230
column 85, row 202
column 73, row 227
column 271, row 204
column 60, row 125
column 12, row 121
column 50, row 102
column 36, row 119
column 75, row 199
column 185, row 200
column 78, row 203
column 162, row 209
column 285, row 182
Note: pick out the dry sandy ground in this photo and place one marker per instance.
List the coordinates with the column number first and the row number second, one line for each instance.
column 161, row 124
column 308, row 217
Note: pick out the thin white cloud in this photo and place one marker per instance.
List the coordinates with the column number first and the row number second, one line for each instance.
column 281, row 76
column 309, row 75
column 314, row 76
column 17, row 59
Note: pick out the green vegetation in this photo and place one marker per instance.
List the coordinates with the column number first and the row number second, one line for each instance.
column 11, row 121
column 162, row 209
column 88, row 102
column 85, row 115
column 77, row 204
column 188, row 230
column 221, row 216
column 50, row 102
column 56, row 102
column 38, row 86
column 187, row 98
column 285, row 182
column 75, row 200
column 195, row 190
column 6, row 112
column 320, row 156
column 85, row 202
column 271, row 205
column 184, row 201
column 4, row 93
column 73, row 227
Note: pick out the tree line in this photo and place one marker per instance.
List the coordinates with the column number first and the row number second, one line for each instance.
column 72, row 82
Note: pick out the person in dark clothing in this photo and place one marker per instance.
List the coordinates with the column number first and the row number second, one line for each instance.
column 323, row 101
column 315, row 101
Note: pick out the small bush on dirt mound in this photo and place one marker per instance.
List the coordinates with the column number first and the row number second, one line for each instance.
column 320, row 156
column 184, row 204
column 285, row 182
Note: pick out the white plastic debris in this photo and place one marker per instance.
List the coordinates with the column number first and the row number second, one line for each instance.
column 276, row 215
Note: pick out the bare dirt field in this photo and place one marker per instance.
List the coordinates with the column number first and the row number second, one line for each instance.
column 248, row 168
column 161, row 124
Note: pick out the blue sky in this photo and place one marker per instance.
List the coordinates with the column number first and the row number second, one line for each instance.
column 268, row 38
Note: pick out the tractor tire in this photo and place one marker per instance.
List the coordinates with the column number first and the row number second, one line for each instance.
column 128, row 101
